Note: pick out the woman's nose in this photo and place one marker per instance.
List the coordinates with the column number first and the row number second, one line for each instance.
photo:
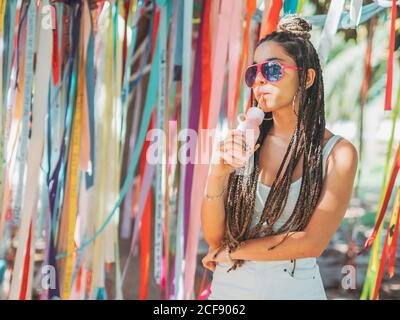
column 260, row 80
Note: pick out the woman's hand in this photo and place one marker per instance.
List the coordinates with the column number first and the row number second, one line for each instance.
column 209, row 261
column 232, row 153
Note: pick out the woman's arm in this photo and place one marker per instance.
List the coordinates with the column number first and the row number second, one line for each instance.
column 326, row 219
column 230, row 155
column 213, row 212
column 295, row 246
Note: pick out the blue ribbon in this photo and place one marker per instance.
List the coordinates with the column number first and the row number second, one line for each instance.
column 289, row 6
column 367, row 12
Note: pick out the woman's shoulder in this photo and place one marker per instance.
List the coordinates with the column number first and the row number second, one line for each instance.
column 341, row 141
column 344, row 155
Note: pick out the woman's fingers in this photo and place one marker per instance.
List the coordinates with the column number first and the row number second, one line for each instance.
column 236, row 156
column 235, row 134
column 208, row 263
column 211, row 265
column 234, row 160
column 234, row 150
column 256, row 147
column 234, row 139
column 234, row 147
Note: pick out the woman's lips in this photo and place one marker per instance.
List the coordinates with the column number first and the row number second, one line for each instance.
column 264, row 95
column 262, row 100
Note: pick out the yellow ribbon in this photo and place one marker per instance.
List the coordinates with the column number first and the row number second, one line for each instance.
column 73, row 170
column 2, row 13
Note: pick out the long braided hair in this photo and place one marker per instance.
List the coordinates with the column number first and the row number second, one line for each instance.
column 307, row 140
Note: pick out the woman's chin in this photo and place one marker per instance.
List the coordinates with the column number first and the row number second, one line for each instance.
column 267, row 108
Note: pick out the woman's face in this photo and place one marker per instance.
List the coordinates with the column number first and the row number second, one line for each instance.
column 273, row 96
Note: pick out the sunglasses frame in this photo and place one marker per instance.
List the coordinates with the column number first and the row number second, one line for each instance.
column 259, row 65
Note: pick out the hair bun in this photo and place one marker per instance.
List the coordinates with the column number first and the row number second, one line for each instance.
column 295, row 24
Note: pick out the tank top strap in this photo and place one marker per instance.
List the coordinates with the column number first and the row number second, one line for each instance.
column 327, row 150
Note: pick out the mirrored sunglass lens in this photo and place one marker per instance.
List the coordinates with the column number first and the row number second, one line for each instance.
column 271, row 71
column 250, row 75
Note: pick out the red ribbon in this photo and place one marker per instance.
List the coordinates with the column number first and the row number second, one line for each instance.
column 367, row 67
column 388, row 193
column 387, row 249
column 155, row 30
column 145, row 228
column 125, row 45
column 392, row 249
column 78, row 281
column 251, row 8
column 206, row 64
column 55, row 59
column 273, row 18
column 25, row 274
column 389, row 79
column 204, row 293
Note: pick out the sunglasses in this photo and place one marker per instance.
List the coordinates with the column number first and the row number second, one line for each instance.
column 271, row 71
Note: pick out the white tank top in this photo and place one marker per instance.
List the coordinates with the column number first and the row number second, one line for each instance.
column 263, row 190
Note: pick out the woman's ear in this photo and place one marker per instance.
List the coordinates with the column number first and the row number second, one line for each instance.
column 310, row 77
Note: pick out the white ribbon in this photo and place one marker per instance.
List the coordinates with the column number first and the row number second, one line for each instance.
column 355, row 12
column 330, row 28
column 36, row 144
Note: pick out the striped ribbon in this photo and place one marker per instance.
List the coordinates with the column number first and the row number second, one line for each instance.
column 25, row 220
column 183, row 211
column 160, row 125
column 36, row 144
column 8, row 39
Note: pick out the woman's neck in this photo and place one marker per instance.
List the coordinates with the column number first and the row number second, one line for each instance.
column 285, row 122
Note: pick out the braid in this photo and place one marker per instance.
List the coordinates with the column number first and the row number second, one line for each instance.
column 306, row 141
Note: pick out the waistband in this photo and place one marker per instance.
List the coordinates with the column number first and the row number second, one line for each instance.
column 301, row 263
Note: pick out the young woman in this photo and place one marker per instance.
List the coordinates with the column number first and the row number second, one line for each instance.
column 265, row 230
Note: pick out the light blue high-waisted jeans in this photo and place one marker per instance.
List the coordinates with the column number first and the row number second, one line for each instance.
column 297, row 279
